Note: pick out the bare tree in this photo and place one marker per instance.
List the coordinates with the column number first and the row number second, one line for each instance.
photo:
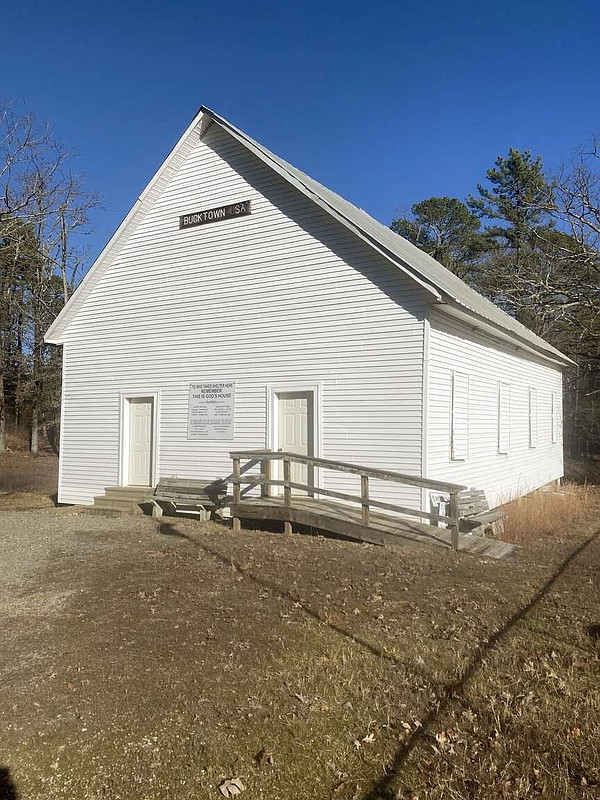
column 577, row 196
column 576, row 208
column 537, row 256
column 42, row 200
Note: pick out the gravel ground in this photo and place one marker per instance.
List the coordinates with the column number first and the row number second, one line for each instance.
column 156, row 660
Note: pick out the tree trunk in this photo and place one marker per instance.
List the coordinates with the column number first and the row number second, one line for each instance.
column 37, row 366
column 2, row 416
column 64, row 255
column 35, row 428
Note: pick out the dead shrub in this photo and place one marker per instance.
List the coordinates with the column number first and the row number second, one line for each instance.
column 17, row 440
column 546, row 512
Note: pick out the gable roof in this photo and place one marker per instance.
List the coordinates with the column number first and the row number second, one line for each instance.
column 444, row 286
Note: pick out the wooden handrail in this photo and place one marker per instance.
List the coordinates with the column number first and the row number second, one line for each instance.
column 259, row 480
column 264, row 480
column 355, row 469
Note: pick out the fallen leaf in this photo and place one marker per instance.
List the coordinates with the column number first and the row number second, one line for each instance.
column 231, row 787
column 369, row 738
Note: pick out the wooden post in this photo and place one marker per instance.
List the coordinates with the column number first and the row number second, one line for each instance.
column 265, row 468
column 455, row 521
column 236, row 492
column 364, row 498
column 287, row 492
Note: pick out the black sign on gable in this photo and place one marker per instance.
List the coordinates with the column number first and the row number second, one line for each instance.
column 241, row 209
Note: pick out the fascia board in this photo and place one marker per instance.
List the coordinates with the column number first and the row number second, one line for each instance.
column 476, row 322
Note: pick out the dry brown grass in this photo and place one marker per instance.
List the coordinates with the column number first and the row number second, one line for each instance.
column 17, row 439
column 27, row 481
column 145, row 659
column 157, row 660
column 548, row 512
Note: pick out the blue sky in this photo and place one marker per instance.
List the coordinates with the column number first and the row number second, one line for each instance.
column 385, row 102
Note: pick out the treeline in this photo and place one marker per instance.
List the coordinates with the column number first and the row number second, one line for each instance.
column 530, row 242
column 43, row 209
column 526, row 240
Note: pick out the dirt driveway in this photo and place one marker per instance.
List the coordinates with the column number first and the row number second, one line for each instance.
column 146, row 660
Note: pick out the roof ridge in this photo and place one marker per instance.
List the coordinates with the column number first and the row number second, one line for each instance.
column 441, row 283
column 445, row 280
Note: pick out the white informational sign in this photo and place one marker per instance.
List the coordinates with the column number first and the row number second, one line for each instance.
column 210, row 410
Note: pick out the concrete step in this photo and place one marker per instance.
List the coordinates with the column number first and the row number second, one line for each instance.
column 137, row 493
column 117, row 504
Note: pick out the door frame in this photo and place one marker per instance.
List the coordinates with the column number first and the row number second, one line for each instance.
column 124, row 425
column 272, row 443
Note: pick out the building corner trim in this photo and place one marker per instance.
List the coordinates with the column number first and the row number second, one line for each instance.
column 425, row 405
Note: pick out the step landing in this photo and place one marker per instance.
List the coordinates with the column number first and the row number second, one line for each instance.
column 121, row 501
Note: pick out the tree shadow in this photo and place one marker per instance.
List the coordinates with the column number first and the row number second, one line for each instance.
column 594, row 632
column 169, row 529
column 446, row 693
column 409, row 668
column 8, row 790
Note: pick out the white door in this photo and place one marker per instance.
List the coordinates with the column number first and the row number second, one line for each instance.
column 140, row 441
column 295, row 433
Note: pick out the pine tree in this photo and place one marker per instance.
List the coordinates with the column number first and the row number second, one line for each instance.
column 446, row 229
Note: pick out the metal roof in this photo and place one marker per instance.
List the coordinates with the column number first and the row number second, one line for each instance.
column 443, row 285
column 421, row 266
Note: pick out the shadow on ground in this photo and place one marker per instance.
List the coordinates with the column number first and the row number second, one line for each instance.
column 8, row 790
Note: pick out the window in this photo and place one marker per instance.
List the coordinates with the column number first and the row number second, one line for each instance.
column 503, row 417
column 459, row 435
column 533, row 423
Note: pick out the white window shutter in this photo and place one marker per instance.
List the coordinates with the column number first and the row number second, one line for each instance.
column 503, row 417
column 533, row 423
column 459, row 444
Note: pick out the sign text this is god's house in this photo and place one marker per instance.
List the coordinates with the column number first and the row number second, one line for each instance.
column 210, row 410
column 241, row 209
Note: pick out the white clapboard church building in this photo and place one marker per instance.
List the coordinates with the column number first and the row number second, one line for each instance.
column 241, row 304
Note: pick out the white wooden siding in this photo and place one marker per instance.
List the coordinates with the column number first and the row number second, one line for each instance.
column 459, row 435
column 556, row 412
column 454, row 346
column 284, row 296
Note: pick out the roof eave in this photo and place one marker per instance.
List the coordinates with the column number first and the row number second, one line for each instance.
column 549, row 353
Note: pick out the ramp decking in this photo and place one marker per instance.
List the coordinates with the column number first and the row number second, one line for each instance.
column 346, row 520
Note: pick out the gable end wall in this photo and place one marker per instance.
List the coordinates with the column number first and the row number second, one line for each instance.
column 284, row 297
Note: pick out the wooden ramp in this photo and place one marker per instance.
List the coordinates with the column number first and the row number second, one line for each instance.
column 346, row 520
